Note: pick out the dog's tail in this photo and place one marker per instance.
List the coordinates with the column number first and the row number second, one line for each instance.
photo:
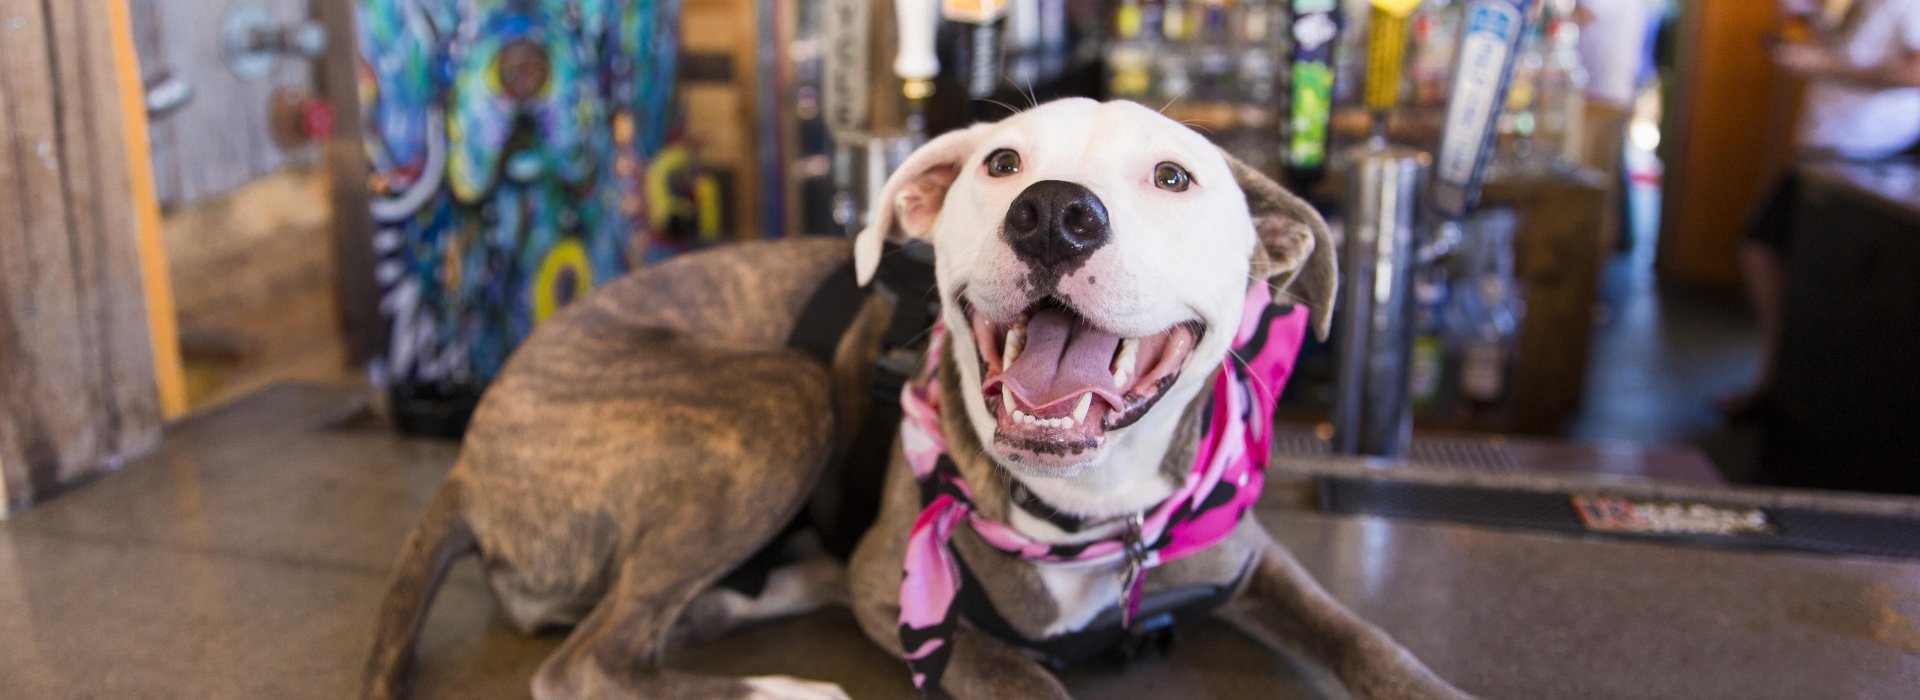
column 440, row 537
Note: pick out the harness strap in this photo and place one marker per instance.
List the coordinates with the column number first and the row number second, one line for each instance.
column 828, row 314
column 906, row 272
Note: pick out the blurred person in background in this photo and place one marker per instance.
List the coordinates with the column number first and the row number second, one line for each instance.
column 1616, row 46
column 1617, row 40
column 1861, row 63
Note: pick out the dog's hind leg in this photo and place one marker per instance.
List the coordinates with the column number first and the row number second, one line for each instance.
column 439, row 538
column 615, row 653
column 1284, row 607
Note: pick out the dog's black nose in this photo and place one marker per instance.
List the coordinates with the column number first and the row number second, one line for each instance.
column 1054, row 223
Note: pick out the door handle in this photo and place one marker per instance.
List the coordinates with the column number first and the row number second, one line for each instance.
column 165, row 93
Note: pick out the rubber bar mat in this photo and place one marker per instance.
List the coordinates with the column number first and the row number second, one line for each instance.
column 1455, row 451
column 1692, row 522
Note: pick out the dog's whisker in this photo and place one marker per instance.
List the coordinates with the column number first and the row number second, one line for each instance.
column 1196, row 124
column 1176, row 98
column 1010, row 108
column 1255, row 377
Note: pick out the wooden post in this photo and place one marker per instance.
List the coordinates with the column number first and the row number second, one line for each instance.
column 1731, row 137
column 77, row 376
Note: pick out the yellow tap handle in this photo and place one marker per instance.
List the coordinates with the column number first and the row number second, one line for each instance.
column 1387, row 28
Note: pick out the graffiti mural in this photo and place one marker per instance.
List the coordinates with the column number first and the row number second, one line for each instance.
column 516, row 150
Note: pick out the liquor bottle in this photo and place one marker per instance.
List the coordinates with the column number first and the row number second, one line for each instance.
column 1519, row 117
column 1172, row 68
column 1436, row 34
column 1562, row 94
column 1129, row 56
column 1254, row 108
column 1426, row 374
column 1350, row 57
column 1256, row 72
column 1212, row 55
column 1484, row 309
column 1255, row 133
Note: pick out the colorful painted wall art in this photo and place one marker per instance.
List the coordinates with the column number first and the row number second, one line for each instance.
column 517, row 150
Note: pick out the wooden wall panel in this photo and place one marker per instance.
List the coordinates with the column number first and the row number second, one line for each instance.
column 76, row 373
column 1731, row 138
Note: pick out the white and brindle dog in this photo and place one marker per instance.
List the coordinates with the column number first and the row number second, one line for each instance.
column 658, row 433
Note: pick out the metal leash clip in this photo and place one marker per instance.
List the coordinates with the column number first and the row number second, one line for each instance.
column 1135, row 550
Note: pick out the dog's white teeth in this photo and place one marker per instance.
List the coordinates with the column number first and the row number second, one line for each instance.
column 1080, row 409
column 1006, row 398
column 1021, row 417
column 1123, row 362
column 1016, row 339
column 1128, row 349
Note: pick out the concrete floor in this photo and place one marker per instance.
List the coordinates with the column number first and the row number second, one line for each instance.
column 245, row 560
column 1660, row 358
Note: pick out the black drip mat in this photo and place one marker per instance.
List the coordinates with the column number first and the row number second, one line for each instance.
column 1687, row 521
column 1449, row 450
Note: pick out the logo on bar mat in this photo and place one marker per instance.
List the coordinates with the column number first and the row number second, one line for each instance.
column 1612, row 514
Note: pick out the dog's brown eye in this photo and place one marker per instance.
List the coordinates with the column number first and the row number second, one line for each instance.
column 1003, row 162
column 1171, row 178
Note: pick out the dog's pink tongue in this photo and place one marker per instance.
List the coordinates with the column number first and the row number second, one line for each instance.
column 1062, row 358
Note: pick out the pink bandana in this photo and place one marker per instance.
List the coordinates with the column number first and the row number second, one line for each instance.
column 1225, row 481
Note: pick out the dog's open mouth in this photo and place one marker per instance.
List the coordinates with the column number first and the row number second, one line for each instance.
column 1057, row 383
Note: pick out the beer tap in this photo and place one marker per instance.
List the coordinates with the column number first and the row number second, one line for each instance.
column 1373, row 407
column 874, row 126
column 1373, row 410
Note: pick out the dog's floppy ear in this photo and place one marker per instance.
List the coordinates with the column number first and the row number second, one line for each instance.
column 1295, row 253
column 913, row 196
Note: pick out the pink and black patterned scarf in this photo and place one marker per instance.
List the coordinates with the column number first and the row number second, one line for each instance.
column 1225, row 480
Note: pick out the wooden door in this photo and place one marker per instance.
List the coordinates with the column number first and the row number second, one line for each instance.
column 77, row 377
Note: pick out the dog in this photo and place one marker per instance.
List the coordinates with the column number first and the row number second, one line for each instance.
column 1095, row 265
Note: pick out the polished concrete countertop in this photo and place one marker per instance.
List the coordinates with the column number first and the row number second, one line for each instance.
column 246, row 557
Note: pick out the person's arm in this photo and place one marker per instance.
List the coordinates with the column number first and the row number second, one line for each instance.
column 1817, row 62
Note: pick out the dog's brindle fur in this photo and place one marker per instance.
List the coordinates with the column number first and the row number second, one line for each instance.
column 655, row 434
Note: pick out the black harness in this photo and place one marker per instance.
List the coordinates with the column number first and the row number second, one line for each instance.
column 1164, row 616
column 856, row 476
column 906, row 274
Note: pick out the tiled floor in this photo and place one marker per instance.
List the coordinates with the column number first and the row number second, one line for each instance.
column 245, row 560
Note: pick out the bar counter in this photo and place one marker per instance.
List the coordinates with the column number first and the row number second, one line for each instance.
column 246, row 558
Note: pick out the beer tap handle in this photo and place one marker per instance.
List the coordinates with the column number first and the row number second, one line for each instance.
column 916, row 63
column 1483, row 67
column 1387, row 27
column 1316, row 30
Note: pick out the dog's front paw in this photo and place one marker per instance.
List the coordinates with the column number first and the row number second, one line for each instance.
column 790, row 688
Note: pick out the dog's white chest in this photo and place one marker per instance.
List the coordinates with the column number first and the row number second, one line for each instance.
column 1079, row 592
